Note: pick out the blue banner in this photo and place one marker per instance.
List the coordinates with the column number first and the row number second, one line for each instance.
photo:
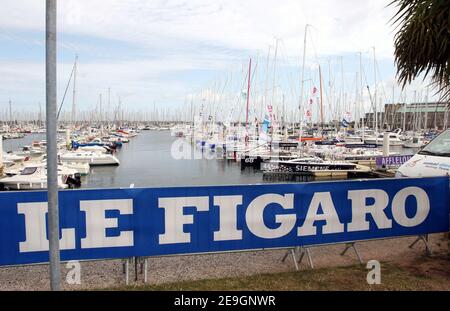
column 119, row 223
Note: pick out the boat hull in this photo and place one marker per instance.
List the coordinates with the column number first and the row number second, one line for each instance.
column 305, row 168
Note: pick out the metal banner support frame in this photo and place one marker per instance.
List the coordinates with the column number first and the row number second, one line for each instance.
column 294, row 251
column 305, row 250
column 302, row 251
column 352, row 245
column 141, row 262
column 424, row 238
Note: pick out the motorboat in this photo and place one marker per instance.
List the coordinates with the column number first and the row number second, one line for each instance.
column 93, row 148
column 81, row 168
column 415, row 142
column 394, row 139
column 90, row 157
column 34, row 177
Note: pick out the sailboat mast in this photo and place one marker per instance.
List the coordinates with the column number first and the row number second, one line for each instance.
column 342, row 109
column 264, row 101
column 404, row 113
column 363, row 114
column 375, row 90
column 10, row 112
column 425, row 126
column 248, row 95
column 108, row 108
column 74, row 90
column 321, row 101
column 356, row 118
column 302, row 83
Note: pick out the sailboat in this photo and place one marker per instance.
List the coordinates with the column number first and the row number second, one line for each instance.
column 90, row 157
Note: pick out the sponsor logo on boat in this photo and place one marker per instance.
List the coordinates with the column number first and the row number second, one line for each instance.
column 392, row 160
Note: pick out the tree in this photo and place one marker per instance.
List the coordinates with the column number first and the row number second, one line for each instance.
column 422, row 43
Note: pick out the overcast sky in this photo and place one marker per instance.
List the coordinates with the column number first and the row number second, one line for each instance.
column 159, row 52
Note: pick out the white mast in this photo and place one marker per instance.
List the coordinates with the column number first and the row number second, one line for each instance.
column 425, row 126
column 357, row 114
column 302, row 83
column 273, row 89
column 375, row 91
column 361, row 95
column 264, row 99
column 74, row 92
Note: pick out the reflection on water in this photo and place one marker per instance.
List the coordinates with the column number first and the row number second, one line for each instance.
column 146, row 161
column 16, row 144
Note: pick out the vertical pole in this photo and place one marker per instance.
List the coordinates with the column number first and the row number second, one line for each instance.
column 10, row 114
column 375, row 91
column 385, row 144
column 404, row 116
column 300, row 105
column 425, row 126
column 1, row 155
column 145, row 270
column 248, row 93
column 52, row 162
column 74, row 111
column 357, row 108
column 361, row 96
column 321, row 101
column 341, row 108
column 107, row 110
column 248, row 99
column 392, row 125
column 127, row 275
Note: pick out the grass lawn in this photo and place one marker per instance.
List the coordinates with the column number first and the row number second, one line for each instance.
column 422, row 274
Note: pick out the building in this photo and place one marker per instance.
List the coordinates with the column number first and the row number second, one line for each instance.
column 412, row 116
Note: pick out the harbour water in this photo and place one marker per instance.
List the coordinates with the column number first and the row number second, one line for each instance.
column 146, row 161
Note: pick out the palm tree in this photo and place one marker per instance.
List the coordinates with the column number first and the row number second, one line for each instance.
column 422, row 43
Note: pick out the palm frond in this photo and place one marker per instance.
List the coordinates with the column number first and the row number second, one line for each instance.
column 422, row 43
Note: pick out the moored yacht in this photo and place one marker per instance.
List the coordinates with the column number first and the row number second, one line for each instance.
column 34, row 177
column 305, row 165
column 394, row 139
column 90, row 157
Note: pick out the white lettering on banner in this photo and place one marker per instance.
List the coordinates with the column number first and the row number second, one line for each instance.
column 399, row 206
column 360, row 209
column 97, row 223
column 36, row 229
column 255, row 211
column 333, row 225
column 368, row 211
column 228, row 218
column 175, row 219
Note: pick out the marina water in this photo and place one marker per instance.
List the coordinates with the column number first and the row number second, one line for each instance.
column 146, row 161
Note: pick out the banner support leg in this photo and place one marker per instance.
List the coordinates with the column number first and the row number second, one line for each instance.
column 309, row 258
column 423, row 238
column 305, row 250
column 352, row 245
column 136, row 262
column 292, row 252
column 285, row 256
column 288, row 252
column 294, row 258
column 145, row 269
column 127, row 281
